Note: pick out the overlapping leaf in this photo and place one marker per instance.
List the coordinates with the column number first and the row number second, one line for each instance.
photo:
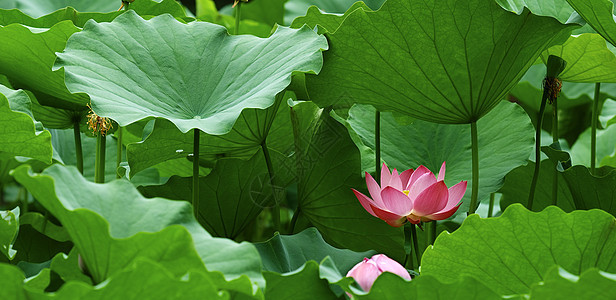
column 440, row 61
column 512, row 252
column 134, row 69
column 599, row 14
column 296, row 8
column 9, row 226
column 560, row 284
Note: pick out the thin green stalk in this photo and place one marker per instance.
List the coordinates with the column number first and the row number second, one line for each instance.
column 533, row 185
column 408, row 259
column 294, row 220
column 415, row 245
column 377, row 143
column 270, row 170
column 99, row 169
column 431, row 232
column 593, row 133
column 298, row 162
column 491, row 208
column 475, row 170
column 555, row 136
column 195, row 181
column 238, row 15
column 78, row 148
column 119, row 157
column 1, row 195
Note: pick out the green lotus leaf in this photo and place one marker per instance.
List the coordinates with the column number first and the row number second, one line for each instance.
column 560, row 284
column 67, row 267
column 9, row 226
column 558, row 9
column 391, row 286
column 505, row 138
column 296, row 8
column 12, row 282
column 452, row 65
column 134, row 69
column 588, row 59
column 44, row 226
column 599, row 14
column 248, row 133
column 514, row 251
column 326, row 22
column 329, row 166
column 517, row 185
column 266, row 12
column 305, row 246
column 32, row 246
column 109, row 237
column 39, row 8
column 303, row 283
column 18, row 130
column 231, row 196
column 580, row 151
column 608, row 113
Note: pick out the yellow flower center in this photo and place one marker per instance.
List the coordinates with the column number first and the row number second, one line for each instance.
column 406, row 192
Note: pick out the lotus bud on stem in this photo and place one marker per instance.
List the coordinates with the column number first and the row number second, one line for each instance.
column 99, row 126
column 551, row 89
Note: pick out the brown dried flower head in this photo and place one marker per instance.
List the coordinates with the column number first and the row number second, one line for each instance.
column 552, row 86
column 98, row 124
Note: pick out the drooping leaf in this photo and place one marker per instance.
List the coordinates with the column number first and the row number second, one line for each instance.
column 18, row 133
column 109, row 237
column 9, row 226
column 391, row 286
column 600, row 15
column 517, row 185
column 558, row 9
column 303, row 283
column 287, row 253
column 296, row 8
column 512, row 252
column 231, row 196
column 330, row 167
column 451, row 65
column 588, row 59
column 505, row 139
column 248, row 133
column 560, row 284
column 144, row 71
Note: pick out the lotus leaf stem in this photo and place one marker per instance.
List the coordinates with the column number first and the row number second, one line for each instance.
column 119, row 157
column 270, row 170
column 195, row 179
column 431, row 232
column 593, row 133
column 491, row 208
column 78, row 147
column 555, row 136
column 533, row 184
column 99, row 172
column 238, row 15
column 475, row 170
column 415, row 245
column 377, row 143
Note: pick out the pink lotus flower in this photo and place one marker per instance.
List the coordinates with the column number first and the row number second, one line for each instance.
column 366, row 272
column 416, row 196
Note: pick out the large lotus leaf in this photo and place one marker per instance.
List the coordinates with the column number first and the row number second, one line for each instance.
column 590, row 191
column 100, row 218
column 296, row 8
column 304, row 246
column 441, row 61
column 390, row 286
column 303, row 283
column 517, row 185
column 588, row 59
column 560, row 284
column 608, row 113
column 12, row 282
column 329, row 166
column 134, row 69
column 505, row 139
column 18, row 132
column 326, row 22
column 245, row 138
column 558, row 9
column 9, row 226
column 600, row 15
column 34, row 247
column 580, row 151
column 231, row 196
column 512, row 252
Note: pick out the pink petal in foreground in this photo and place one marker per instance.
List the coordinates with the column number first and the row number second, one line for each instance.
column 441, row 173
column 442, row 215
column 431, row 200
column 420, row 171
column 374, row 189
column 386, row 264
column 456, row 193
column 389, row 217
column 405, row 177
column 395, row 180
column 365, row 202
column 365, row 273
column 421, row 184
column 396, row 201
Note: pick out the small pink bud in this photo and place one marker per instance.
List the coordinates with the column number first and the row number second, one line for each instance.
column 366, row 272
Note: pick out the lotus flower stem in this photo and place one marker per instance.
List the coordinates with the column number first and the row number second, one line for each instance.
column 491, row 208
column 475, row 170
column 415, row 245
column 270, row 170
column 593, row 128
column 238, row 15
column 555, row 136
column 119, row 157
column 377, row 142
column 78, row 148
column 99, row 172
column 431, row 231
column 533, row 184
column 195, row 181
